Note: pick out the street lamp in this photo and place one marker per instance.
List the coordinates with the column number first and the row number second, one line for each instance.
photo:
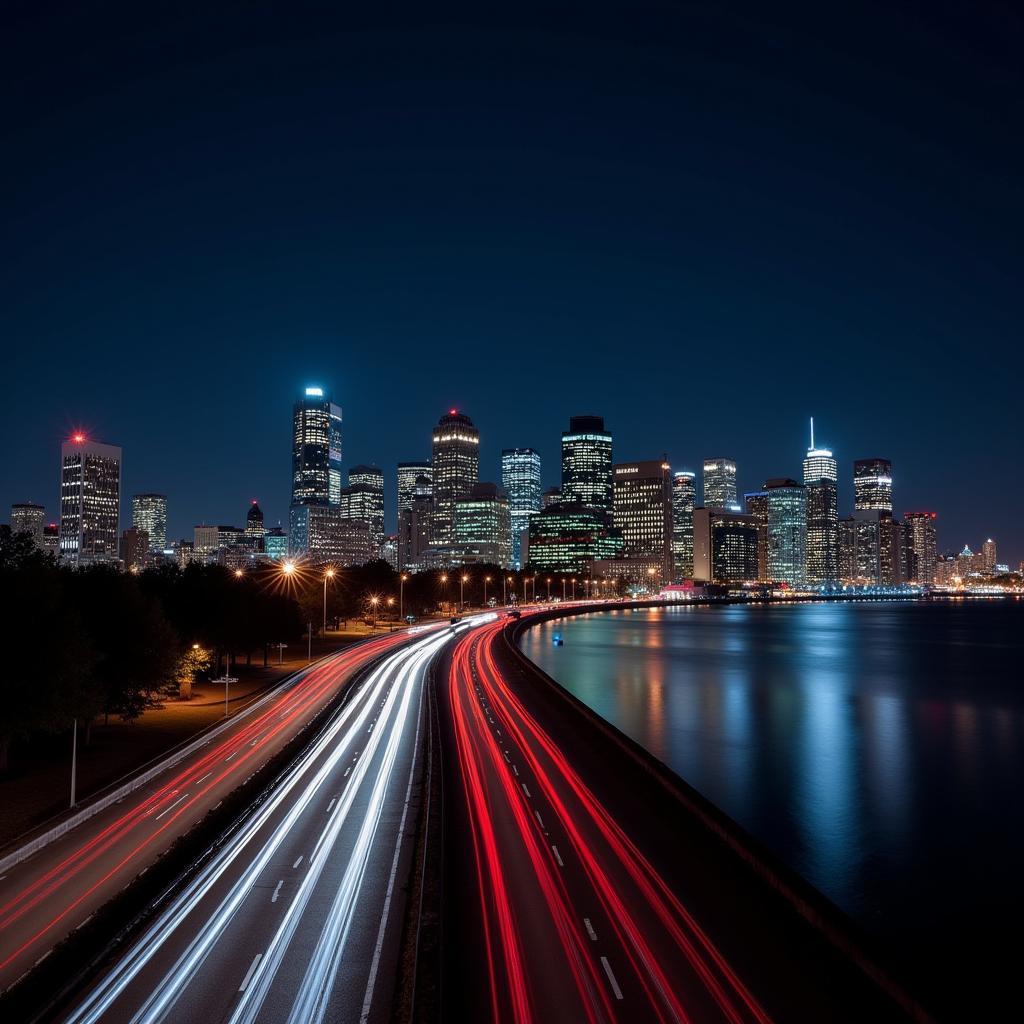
column 549, row 588
column 574, row 588
column 524, row 589
column 504, row 581
column 444, row 588
column 239, row 574
column 533, row 588
column 487, row 579
column 563, row 588
column 288, row 568
column 401, row 595
column 328, row 575
column 391, row 614
column 463, row 579
column 374, row 601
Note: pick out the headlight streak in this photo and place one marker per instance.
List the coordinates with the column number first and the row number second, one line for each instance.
column 348, row 722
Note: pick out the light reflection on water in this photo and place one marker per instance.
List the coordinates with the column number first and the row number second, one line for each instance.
column 877, row 748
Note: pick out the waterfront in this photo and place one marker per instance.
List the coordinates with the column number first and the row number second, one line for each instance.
column 874, row 747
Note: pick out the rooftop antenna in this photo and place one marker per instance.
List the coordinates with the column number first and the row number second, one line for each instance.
column 812, row 433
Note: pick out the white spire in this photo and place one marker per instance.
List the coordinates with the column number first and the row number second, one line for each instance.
column 812, row 433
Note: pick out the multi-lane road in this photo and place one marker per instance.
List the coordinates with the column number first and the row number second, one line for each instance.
column 48, row 895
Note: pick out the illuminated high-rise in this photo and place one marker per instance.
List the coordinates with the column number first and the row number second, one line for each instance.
column 149, row 513
column 684, row 495
column 720, row 484
column 316, row 449
column 642, row 513
column 254, row 526
column 483, row 526
column 409, row 478
column 90, row 501
column 456, row 468
column 520, row 477
column 757, row 508
column 821, row 487
column 988, row 555
column 787, row 531
column 872, row 485
column 363, row 499
column 414, row 525
column 29, row 518
column 920, row 537
column 587, row 463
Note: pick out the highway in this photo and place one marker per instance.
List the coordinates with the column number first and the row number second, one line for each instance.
column 48, row 895
column 578, row 879
column 295, row 917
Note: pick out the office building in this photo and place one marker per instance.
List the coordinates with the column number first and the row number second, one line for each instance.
column 483, row 526
column 787, row 531
column 363, row 499
column 920, row 538
column 322, row 535
column 133, row 548
column 316, row 450
column 587, row 463
column 51, row 540
column 456, row 468
column 520, row 477
column 821, row 486
column 411, row 477
column 642, row 514
column 205, row 543
column 684, row 499
column 275, row 544
column 720, row 484
column 569, row 538
column 872, row 485
column 90, row 501
column 757, row 507
column 552, row 496
column 149, row 513
column 988, row 555
column 29, row 518
column 724, row 546
column 871, row 548
column 414, row 525
column 255, row 531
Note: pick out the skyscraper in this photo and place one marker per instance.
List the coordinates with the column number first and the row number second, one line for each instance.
column 149, row 513
column 919, row 536
column 821, row 476
column 587, row 463
column 363, row 499
column 409, row 479
column 724, row 546
column 570, row 538
column 414, row 525
column 871, row 548
column 720, row 484
column 757, row 508
column 483, row 525
column 520, row 476
column 642, row 513
column 872, row 485
column 316, row 450
column 254, row 528
column 456, row 467
column 988, row 555
column 787, row 531
column 90, row 501
column 29, row 518
column 684, row 498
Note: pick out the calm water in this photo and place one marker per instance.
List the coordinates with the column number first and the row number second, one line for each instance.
column 877, row 748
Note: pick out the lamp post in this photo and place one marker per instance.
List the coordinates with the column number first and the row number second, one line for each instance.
column 533, row 588
column 462, row 582
column 374, row 601
column 487, row 579
column 549, row 588
column 391, row 614
column 226, row 680
column 444, row 588
column 280, row 653
column 328, row 575
column 574, row 588
column 504, row 594
column 563, row 588
column 74, row 758
column 401, row 595
column 524, row 590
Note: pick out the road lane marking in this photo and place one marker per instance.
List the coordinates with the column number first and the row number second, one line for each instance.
column 515, row 769
column 525, row 790
column 228, row 758
column 296, row 864
column 347, row 770
column 590, row 929
column 248, row 974
column 334, row 800
column 277, row 890
column 540, row 821
column 558, row 857
column 171, row 808
column 204, row 778
column 611, row 977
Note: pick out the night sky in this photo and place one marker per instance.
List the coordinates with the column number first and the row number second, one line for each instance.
column 704, row 226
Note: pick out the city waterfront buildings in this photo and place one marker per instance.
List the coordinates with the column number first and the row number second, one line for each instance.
column 787, row 531
column 684, row 495
column 149, row 513
column 871, row 548
column 520, row 477
column 587, row 463
column 920, row 539
column 821, row 487
column 569, row 537
column 988, row 555
column 642, row 514
column 90, row 501
column 720, row 484
column 872, row 485
column 724, row 546
column 316, row 449
column 757, row 506
column 456, row 468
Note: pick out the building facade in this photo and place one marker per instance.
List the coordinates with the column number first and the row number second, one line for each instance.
column 275, row 544
column 363, row 499
column 920, row 539
column 684, row 500
column 872, row 485
column 414, row 525
column 316, row 449
column 724, row 546
column 642, row 513
column 90, row 501
column 821, row 486
column 133, row 548
column 149, row 513
column 720, row 484
column 483, row 526
column 871, row 548
column 520, row 477
column 569, row 538
column 456, row 468
column 757, row 506
column 255, row 530
column 29, row 518
column 787, row 531
column 320, row 534
column 587, row 463
column 412, row 476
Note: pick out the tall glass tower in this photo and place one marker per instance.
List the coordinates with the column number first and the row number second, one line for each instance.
column 720, row 484
column 821, row 476
column 90, row 501
column 787, row 531
column 684, row 494
column 587, row 463
column 408, row 480
column 456, row 464
column 149, row 513
column 872, row 485
column 520, row 477
column 316, row 450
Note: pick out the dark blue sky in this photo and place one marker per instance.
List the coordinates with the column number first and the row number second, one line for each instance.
column 705, row 226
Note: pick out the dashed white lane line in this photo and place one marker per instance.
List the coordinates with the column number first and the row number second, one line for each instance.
column 540, row 821
column 277, row 890
column 611, row 977
column 171, row 808
column 228, row 758
column 296, row 864
column 526, row 791
column 204, row 778
column 590, row 929
column 558, row 856
column 515, row 769
column 248, row 974
column 331, row 804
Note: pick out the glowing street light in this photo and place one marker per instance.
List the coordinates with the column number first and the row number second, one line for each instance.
column 288, row 568
column 549, row 588
column 374, row 601
column 487, row 579
column 574, row 588
column 462, row 582
column 328, row 575
column 401, row 595
column 444, row 588
column 239, row 574
column 504, row 581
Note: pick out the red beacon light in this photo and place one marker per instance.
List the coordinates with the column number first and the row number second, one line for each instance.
column 78, row 437
column 453, row 412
